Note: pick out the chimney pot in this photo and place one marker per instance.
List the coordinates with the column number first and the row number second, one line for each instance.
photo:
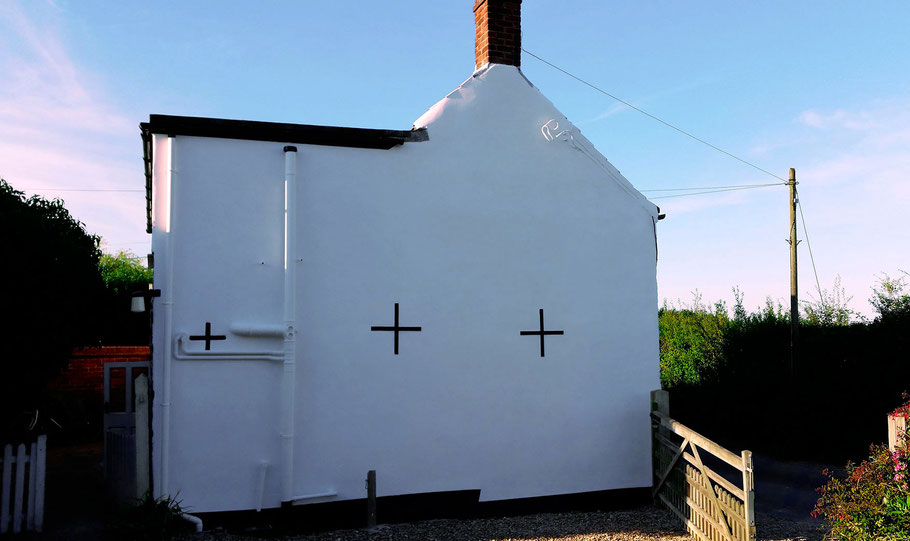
column 498, row 34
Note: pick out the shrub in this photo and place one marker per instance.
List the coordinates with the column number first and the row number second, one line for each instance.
column 691, row 343
column 890, row 297
column 123, row 273
column 148, row 519
column 873, row 500
column 49, row 284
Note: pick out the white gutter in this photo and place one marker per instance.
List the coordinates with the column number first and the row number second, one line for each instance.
column 168, row 303
column 288, row 382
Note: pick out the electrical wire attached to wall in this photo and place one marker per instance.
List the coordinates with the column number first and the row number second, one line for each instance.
column 706, row 189
column 653, row 117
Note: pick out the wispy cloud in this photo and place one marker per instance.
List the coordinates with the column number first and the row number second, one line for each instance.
column 642, row 102
column 56, row 129
column 853, row 166
column 855, row 190
column 867, row 146
column 614, row 109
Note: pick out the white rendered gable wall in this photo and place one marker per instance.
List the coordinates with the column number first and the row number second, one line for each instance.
column 471, row 233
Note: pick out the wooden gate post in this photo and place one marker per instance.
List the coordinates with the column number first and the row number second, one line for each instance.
column 749, row 493
column 660, row 402
column 897, row 428
column 142, row 435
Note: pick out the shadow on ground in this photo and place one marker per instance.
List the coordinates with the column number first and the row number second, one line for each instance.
column 75, row 500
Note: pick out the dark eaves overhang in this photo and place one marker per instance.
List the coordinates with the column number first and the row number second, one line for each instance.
column 249, row 130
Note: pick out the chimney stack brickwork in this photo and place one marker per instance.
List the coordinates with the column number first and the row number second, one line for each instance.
column 498, row 32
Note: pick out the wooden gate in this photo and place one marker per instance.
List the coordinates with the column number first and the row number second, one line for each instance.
column 120, row 448
column 712, row 505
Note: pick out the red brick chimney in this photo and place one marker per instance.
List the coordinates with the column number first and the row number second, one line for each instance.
column 497, row 38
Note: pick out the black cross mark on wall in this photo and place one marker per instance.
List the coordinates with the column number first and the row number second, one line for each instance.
column 541, row 332
column 396, row 328
column 208, row 336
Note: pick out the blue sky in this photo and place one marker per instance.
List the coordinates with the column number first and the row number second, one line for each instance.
column 820, row 86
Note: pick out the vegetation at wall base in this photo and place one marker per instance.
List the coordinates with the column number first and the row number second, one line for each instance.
column 737, row 385
column 148, row 519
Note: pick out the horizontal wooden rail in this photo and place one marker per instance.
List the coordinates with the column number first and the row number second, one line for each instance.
column 710, row 505
column 694, row 437
column 713, row 475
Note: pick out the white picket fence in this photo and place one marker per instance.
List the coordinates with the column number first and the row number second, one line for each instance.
column 23, row 508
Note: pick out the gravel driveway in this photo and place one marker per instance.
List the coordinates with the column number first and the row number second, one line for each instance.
column 644, row 523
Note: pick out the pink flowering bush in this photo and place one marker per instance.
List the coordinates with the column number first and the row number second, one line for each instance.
column 873, row 501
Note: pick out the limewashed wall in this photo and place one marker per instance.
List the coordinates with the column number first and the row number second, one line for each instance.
column 504, row 211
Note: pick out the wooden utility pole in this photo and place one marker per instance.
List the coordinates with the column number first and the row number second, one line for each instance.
column 794, row 295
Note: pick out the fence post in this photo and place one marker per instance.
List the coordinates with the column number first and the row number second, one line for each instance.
column 32, row 486
column 142, row 435
column 749, row 493
column 897, row 428
column 660, row 402
column 39, row 482
column 19, row 494
column 371, row 498
column 7, row 487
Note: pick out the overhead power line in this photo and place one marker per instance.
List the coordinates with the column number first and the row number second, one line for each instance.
column 707, row 189
column 713, row 191
column 664, row 122
column 711, row 187
column 818, row 284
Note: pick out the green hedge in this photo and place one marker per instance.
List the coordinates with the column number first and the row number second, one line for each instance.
column 730, row 377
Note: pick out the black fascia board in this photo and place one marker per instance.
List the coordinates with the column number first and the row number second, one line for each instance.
column 280, row 132
column 250, row 130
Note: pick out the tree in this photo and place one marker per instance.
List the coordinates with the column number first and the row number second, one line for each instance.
column 830, row 308
column 123, row 274
column 49, row 282
column 890, row 297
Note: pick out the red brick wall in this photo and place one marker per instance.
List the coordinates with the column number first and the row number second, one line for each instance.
column 85, row 371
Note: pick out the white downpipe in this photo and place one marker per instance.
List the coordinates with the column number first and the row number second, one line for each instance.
column 181, row 354
column 168, row 303
column 297, row 500
column 194, row 520
column 263, row 469
column 288, row 382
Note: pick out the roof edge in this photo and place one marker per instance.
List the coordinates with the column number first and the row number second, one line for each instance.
column 305, row 134
column 250, row 130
